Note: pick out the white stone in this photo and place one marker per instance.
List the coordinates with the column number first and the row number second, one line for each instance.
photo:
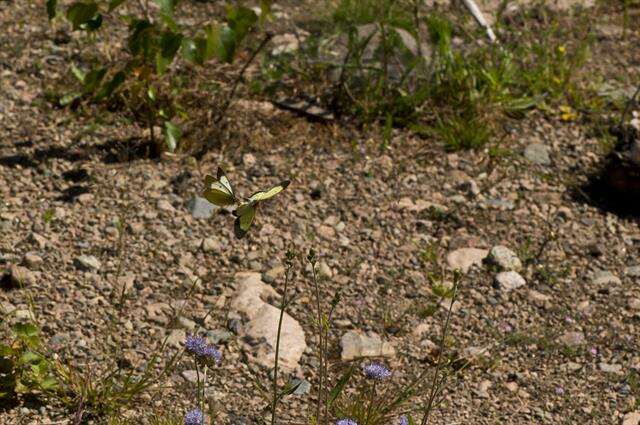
column 504, row 258
column 465, row 258
column 260, row 332
column 508, row 281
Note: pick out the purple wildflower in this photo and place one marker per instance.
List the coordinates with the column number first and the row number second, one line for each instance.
column 194, row 417
column 376, row 371
column 404, row 420
column 346, row 422
column 202, row 351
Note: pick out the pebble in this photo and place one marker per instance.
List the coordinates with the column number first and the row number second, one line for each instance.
column 21, row 276
column 538, row 154
column 304, row 386
column 324, row 270
column 176, row 338
column 39, row 240
column 211, row 245
column 356, row 344
column 538, row 299
column 508, row 281
column 185, row 323
column 87, row 262
column 190, row 375
column 272, row 275
column 504, row 258
column 572, row 339
column 634, row 304
column 32, row 260
column 631, row 418
column 465, row 258
column 217, row 336
column 633, row 271
column 200, row 207
column 610, row 368
column 164, row 205
column 604, row 277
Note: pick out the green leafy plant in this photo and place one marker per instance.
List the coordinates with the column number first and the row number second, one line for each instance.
column 141, row 81
column 403, row 65
column 24, row 369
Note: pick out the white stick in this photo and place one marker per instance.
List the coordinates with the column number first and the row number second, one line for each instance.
column 477, row 14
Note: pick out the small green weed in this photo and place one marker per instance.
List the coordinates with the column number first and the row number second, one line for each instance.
column 140, row 81
column 399, row 65
column 24, row 368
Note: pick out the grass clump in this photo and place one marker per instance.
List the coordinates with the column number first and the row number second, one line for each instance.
column 399, row 63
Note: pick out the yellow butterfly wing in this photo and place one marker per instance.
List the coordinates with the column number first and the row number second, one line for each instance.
column 218, row 191
column 270, row 193
column 244, row 218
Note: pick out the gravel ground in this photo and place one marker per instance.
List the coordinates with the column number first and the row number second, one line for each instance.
column 550, row 336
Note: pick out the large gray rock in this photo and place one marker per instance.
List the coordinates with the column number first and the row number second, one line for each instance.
column 465, row 258
column 259, row 335
column 356, row 345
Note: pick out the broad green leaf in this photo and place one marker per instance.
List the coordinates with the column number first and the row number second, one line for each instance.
column 442, row 291
column 265, row 11
column 151, row 93
column 93, row 79
column 108, row 89
column 49, row 383
column 169, row 21
column 29, row 357
column 141, row 39
column 51, row 8
column 26, row 330
column 172, row 135
column 221, row 42
column 342, row 382
column 166, row 6
column 195, row 49
column 113, row 4
column 169, row 45
column 78, row 73
column 80, row 13
column 241, row 19
column 69, row 98
column 93, row 23
column 6, row 350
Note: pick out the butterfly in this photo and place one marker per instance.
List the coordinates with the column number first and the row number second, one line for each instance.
column 246, row 211
column 218, row 190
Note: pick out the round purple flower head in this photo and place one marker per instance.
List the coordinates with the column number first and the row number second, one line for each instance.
column 198, row 347
column 404, row 420
column 194, row 417
column 376, row 371
column 346, row 422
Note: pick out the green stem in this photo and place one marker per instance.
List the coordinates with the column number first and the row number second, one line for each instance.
column 321, row 365
column 283, row 305
column 436, row 374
